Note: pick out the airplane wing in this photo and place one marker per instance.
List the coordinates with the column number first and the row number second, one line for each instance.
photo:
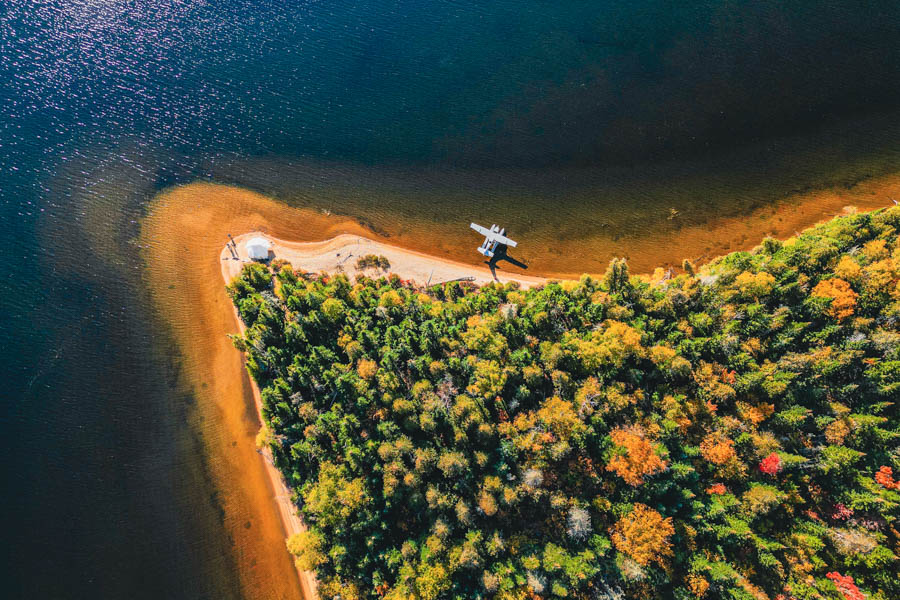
column 482, row 230
column 503, row 240
column 493, row 236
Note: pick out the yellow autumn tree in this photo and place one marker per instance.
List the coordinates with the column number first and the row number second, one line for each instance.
column 481, row 337
column 879, row 277
column 838, row 430
column 843, row 298
column 715, row 380
column 668, row 361
column 643, row 534
column 489, row 379
column 847, row 268
column 586, row 398
column 610, row 346
column 876, row 250
column 635, row 456
column 754, row 284
column 308, row 548
column 334, row 497
column 622, row 341
column 559, row 416
column 390, row 298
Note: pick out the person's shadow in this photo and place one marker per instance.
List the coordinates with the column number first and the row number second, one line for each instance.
column 502, row 253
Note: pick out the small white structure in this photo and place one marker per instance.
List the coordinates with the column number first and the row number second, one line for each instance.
column 258, row 248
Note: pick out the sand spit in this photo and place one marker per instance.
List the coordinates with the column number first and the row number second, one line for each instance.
column 183, row 237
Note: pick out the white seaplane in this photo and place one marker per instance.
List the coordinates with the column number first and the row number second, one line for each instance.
column 493, row 237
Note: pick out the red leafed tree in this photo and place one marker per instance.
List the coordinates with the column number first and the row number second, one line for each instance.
column 716, row 488
column 885, row 477
column 845, row 586
column 840, row 512
column 770, row 464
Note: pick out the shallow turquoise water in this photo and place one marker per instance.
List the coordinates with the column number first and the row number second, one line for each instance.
column 547, row 112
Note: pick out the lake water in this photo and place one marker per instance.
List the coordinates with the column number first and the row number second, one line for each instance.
column 556, row 118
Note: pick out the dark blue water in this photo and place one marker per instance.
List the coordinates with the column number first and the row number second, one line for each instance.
column 104, row 102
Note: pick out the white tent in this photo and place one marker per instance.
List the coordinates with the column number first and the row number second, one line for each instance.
column 258, row 248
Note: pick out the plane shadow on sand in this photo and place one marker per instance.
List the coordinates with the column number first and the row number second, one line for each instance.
column 501, row 253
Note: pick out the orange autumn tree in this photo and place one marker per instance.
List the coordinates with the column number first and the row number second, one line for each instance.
column 366, row 369
column 635, row 456
column 843, row 298
column 717, row 449
column 643, row 534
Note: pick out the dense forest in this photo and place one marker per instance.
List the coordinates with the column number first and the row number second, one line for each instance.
column 727, row 432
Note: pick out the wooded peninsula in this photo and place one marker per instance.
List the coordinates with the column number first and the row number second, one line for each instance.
column 730, row 431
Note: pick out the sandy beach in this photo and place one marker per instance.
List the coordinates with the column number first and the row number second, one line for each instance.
column 183, row 238
column 340, row 253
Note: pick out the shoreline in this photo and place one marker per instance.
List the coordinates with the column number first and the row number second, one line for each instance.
column 281, row 495
column 183, row 236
